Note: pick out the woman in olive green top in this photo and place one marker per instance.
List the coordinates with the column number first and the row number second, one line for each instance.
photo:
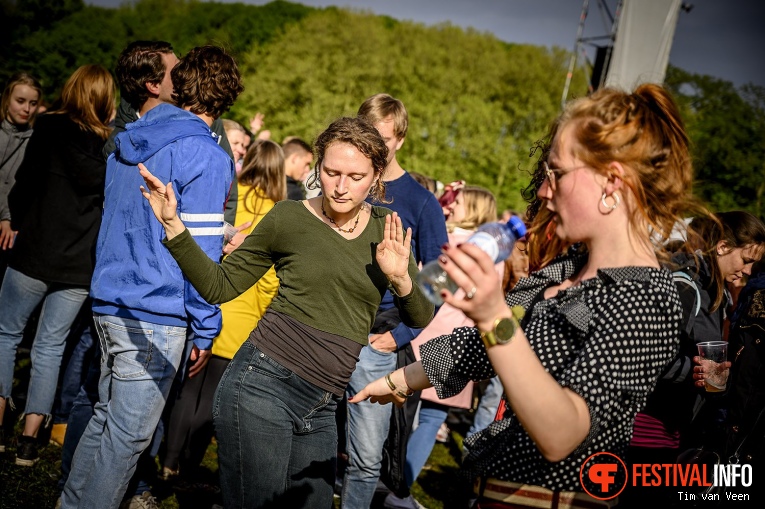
column 335, row 256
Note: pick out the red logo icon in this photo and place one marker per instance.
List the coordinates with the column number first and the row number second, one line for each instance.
column 603, row 475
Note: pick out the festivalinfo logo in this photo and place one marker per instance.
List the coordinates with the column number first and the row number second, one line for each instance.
column 605, row 475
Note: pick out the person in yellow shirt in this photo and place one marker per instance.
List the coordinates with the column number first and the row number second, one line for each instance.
column 262, row 183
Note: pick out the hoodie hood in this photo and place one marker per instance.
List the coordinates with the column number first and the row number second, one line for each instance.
column 161, row 126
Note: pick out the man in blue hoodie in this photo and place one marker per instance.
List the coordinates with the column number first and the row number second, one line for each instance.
column 143, row 306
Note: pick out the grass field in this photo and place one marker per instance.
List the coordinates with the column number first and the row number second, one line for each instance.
column 438, row 487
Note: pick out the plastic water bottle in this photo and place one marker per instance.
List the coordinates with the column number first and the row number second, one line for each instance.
column 495, row 239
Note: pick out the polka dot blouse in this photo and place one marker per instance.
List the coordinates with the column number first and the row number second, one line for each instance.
column 607, row 339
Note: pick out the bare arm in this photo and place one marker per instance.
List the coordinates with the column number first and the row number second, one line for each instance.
column 538, row 400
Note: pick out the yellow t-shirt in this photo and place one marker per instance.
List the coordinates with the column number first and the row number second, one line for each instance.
column 241, row 315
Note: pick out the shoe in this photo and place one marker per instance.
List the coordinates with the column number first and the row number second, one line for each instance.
column 444, row 434
column 394, row 502
column 168, row 474
column 58, row 503
column 142, row 501
column 26, row 451
column 2, row 440
column 57, row 434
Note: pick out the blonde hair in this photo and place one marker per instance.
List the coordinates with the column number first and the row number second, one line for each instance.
column 232, row 125
column 381, row 106
column 480, row 208
column 88, row 98
column 20, row 78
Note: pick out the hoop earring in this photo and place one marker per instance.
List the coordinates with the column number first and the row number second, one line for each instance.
column 610, row 208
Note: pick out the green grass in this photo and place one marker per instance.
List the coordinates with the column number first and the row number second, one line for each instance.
column 438, row 487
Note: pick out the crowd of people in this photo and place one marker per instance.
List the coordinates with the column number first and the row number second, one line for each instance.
column 193, row 279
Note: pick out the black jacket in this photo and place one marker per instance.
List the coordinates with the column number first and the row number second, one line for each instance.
column 676, row 399
column 56, row 203
column 746, row 396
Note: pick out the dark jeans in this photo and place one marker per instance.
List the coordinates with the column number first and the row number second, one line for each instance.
column 277, row 437
column 190, row 425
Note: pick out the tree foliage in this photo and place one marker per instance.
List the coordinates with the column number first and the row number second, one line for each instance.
column 476, row 104
column 727, row 131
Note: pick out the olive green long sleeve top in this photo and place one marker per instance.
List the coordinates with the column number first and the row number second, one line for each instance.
column 326, row 281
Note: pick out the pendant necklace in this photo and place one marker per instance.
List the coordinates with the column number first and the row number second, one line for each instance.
column 338, row 226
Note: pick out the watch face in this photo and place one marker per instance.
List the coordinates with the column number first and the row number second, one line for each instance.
column 504, row 330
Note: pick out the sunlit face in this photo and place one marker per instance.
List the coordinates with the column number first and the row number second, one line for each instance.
column 237, row 139
column 166, row 86
column 303, row 165
column 574, row 202
column 386, row 128
column 736, row 262
column 457, row 208
column 22, row 105
column 346, row 177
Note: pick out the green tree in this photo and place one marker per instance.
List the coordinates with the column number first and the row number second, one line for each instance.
column 476, row 104
column 727, row 130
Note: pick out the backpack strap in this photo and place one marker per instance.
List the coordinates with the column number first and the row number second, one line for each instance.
column 685, row 278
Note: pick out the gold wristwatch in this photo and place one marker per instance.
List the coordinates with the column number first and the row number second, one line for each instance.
column 503, row 330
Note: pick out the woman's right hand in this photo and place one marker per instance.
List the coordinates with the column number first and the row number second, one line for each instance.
column 162, row 200
column 474, row 272
column 7, row 235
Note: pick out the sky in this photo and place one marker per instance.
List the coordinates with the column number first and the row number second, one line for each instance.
column 721, row 38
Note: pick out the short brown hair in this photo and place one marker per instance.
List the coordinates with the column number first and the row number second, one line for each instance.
column 138, row 64
column 294, row 145
column 263, row 172
column 206, row 81
column 360, row 133
column 381, row 106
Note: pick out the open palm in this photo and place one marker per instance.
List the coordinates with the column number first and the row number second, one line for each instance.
column 394, row 250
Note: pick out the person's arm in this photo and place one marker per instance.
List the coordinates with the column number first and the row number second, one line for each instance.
column 429, row 235
column 394, row 257
column 215, row 283
column 539, row 401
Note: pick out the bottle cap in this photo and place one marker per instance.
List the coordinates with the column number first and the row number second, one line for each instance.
column 517, row 226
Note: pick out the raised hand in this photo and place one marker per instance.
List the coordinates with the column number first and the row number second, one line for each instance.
column 162, row 200
column 393, row 254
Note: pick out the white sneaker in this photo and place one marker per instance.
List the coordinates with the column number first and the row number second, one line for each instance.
column 142, row 501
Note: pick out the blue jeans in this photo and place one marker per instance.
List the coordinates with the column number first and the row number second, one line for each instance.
column 487, row 408
column 19, row 296
column 76, row 370
column 139, row 361
column 368, row 425
column 80, row 413
column 421, row 441
column 277, row 436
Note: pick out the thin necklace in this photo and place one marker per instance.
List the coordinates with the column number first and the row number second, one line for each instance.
column 337, row 225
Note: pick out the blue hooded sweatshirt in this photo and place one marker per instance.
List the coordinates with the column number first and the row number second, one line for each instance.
column 135, row 275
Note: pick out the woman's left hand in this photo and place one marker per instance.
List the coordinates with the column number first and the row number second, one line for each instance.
column 393, row 254
column 700, row 372
column 474, row 272
column 161, row 198
column 377, row 391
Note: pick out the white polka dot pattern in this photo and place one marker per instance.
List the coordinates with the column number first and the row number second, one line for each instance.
column 607, row 339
